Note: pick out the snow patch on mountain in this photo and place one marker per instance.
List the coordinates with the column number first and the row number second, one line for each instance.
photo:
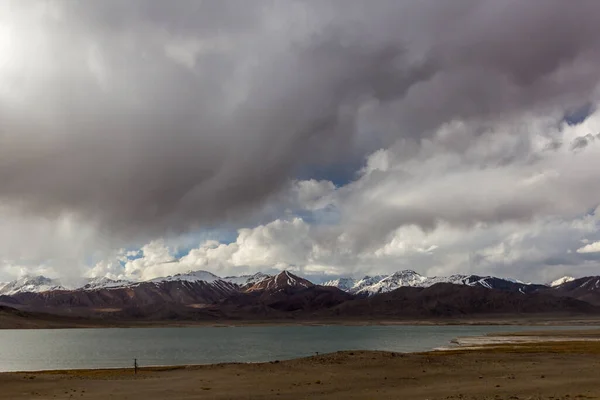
column 392, row 282
column 562, row 280
column 38, row 284
column 191, row 276
column 244, row 280
column 106, row 283
column 291, row 279
column 366, row 281
column 409, row 278
column 379, row 283
column 368, row 285
column 454, row 279
column 35, row 284
column 345, row 284
column 281, row 281
column 591, row 283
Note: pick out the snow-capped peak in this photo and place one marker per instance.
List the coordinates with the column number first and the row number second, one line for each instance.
column 562, row 280
column 379, row 283
column 394, row 281
column 291, row 279
column 244, row 280
column 367, row 281
column 409, row 278
column 407, row 275
column 344, row 284
column 31, row 284
column 105, row 283
column 190, row 276
column 282, row 280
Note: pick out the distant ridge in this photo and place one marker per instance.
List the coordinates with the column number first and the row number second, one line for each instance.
column 409, row 278
column 367, row 285
column 206, row 296
column 560, row 281
column 586, row 289
column 446, row 300
column 30, row 284
column 245, row 280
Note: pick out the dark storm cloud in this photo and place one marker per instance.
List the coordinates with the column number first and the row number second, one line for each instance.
column 553, row 146
column 148, row 117
column 582, row 142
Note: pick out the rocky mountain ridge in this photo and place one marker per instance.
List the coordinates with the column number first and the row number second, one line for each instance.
column 204, row 295
column 386, row 283
column 368, row 285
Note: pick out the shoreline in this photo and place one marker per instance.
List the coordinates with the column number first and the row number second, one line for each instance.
column 541, row 370
column 507, row 339
column 59, row 322
column 487, row 342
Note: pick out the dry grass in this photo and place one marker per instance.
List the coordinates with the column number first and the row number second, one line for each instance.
column 557, row 370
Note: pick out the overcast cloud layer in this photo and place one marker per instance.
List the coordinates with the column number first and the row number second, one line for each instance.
column 141, row 124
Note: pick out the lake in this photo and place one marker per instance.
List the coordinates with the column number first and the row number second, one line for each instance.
column 42, row 349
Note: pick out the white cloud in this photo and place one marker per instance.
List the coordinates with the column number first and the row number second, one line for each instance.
column 435, row 211
column 590, row 248
column 476, row 181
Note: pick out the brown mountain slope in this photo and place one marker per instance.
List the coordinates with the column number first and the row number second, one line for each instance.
column 283, row 280
column 285, row 300
column 288, row 296
column 448, row 300
column 284, row 292
column 585, row 289
column 136, row 296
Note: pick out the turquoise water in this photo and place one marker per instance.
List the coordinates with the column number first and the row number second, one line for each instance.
column 29, row 350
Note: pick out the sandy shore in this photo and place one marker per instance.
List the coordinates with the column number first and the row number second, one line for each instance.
column 517, row 338
column 538, row 370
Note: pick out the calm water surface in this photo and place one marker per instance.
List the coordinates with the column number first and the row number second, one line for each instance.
column 28, row 350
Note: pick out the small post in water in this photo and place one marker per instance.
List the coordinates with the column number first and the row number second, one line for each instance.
column 135, row 366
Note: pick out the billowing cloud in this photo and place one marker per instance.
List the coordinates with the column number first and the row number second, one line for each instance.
column 590, row 248
column 488, row 208
column 145, row 118
column 135, row 121
column 582, row 142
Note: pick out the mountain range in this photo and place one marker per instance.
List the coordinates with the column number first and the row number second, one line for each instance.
column 386, row 283
column 202, row 295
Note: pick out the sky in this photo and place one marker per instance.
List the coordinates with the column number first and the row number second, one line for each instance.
column 331, row 138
